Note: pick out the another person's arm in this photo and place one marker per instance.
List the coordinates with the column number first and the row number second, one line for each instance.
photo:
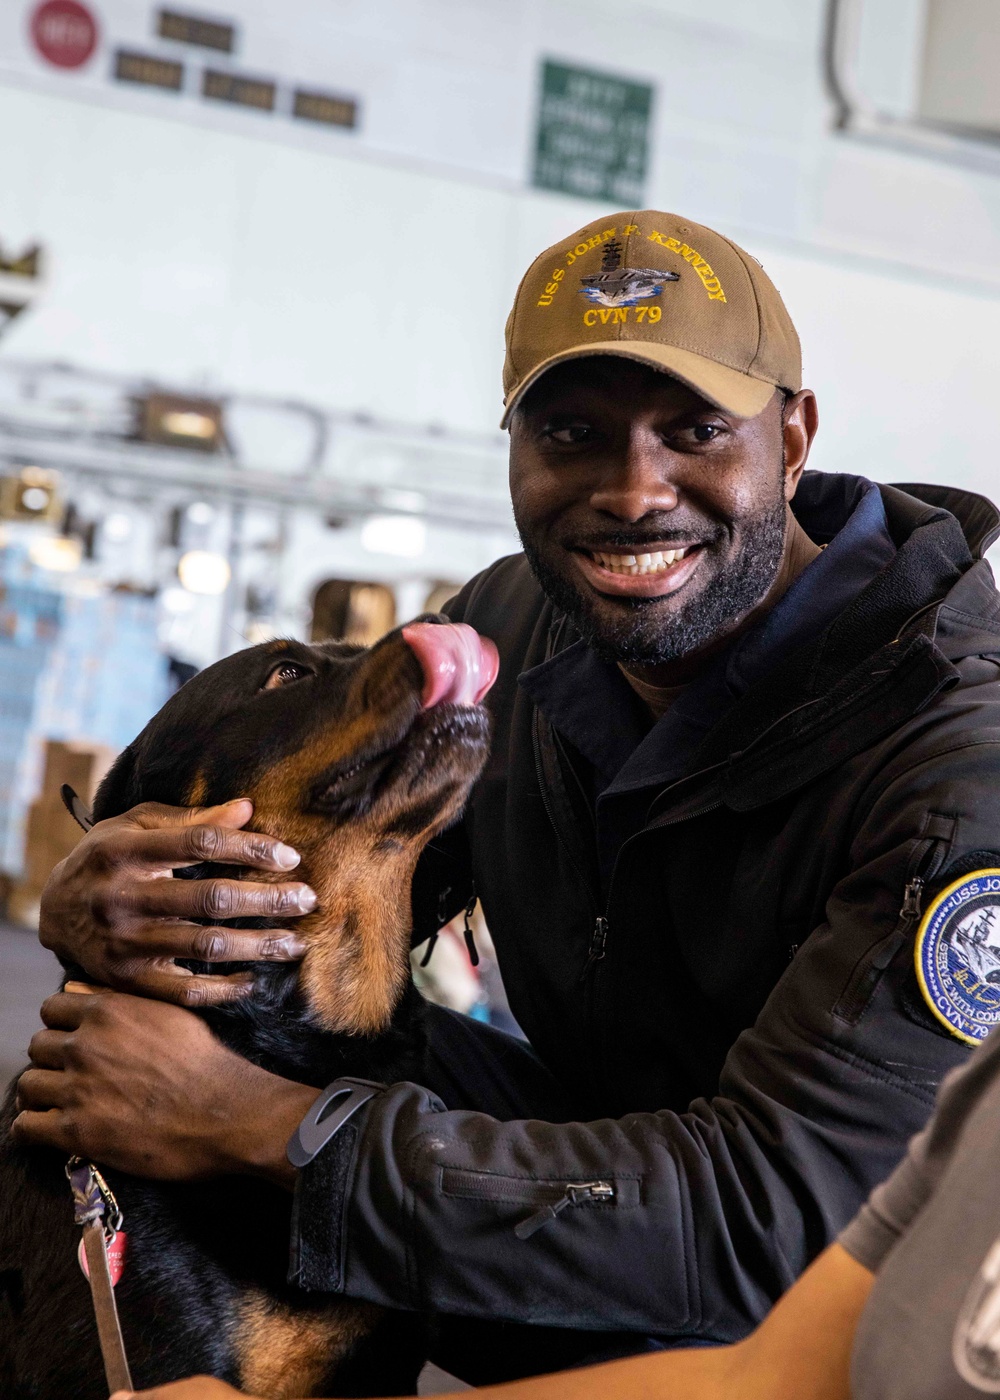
column 801, row 1351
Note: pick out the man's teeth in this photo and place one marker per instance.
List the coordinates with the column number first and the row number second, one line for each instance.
column 641, row 563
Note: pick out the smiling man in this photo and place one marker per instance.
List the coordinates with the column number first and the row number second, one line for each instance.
column 745, row 733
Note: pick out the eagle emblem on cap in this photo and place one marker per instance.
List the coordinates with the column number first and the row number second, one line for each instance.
column 615, row 285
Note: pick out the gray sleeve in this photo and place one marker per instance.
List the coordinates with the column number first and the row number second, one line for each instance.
column 893, row 1206
column 890, row 1208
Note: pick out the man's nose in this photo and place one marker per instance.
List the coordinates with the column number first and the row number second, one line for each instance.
column 638, row 482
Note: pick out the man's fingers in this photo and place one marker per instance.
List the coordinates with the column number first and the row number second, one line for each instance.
column 154, row 814
column 47, row 1049
column 63, row 1011
column 48, row 1129
column 216, row 899
column 163, row 939
column 192, row 843
column 42, row 1089
column 166, row 982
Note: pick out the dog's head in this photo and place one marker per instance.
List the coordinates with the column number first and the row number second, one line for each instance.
column 355, row 757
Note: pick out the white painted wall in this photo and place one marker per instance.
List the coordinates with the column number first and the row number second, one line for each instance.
column 374, row 270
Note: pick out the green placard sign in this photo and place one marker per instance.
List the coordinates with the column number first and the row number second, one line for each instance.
column 593, row 134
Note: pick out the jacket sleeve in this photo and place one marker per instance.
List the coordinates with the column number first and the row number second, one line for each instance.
column 677, row 1224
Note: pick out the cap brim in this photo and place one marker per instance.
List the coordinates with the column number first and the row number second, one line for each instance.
column 728, row 389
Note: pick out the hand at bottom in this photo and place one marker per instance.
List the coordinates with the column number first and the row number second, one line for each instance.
column 197, row 1388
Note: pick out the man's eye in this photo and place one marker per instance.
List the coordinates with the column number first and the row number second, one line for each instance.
column 700, row 432
column 570, row 433
column 284, row 673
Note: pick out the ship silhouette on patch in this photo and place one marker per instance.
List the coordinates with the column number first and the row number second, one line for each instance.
column 976, row 940
column 615, row 285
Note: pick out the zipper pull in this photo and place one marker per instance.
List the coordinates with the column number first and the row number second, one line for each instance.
column 470, row 938
column 598, row 940
column 575, row 1192
column 912, row 898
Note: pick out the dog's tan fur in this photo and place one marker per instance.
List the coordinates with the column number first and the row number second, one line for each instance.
column 284, row 1353
column 359, row 934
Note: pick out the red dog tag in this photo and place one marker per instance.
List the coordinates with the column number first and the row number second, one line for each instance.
column 116, row 1248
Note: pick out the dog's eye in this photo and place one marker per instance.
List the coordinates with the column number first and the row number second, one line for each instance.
column 284, row 673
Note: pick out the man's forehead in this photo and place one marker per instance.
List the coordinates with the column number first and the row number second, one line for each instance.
column 610, row 375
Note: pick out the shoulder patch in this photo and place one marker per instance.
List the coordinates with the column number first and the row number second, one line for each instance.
column 957, row 955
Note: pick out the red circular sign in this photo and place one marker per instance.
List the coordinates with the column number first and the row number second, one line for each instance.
column 65, row 32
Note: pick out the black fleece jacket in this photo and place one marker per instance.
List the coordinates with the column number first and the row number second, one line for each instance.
column 751, row 1052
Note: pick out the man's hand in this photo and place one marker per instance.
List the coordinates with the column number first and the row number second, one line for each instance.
column 112, row 907
column 147, row 1088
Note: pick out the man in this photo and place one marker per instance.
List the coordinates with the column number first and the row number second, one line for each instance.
column 746, row 728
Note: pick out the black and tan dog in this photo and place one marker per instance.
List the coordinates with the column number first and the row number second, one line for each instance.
column 356, row 758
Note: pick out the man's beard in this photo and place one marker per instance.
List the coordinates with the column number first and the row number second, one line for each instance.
column 634, row 632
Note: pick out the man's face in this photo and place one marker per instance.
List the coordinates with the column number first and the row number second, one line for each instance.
column 656, row 521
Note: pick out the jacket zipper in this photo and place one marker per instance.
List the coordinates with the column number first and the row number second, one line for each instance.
column 860, row 989
column 912, row 899
column 599, row 937
column 552, row 1197
column 575, row 1193
column 597, row 950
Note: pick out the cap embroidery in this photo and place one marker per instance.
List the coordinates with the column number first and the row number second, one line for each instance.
column 712, row 284
column 615, row 285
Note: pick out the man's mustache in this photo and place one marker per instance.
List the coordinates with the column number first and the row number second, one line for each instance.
column 632, row 541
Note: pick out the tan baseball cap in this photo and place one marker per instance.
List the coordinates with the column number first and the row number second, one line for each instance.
column 662, row 290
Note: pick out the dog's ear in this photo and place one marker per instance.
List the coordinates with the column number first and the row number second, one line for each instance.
column 119, row 789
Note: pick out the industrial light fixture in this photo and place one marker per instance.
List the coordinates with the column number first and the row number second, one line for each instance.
column 116, row 527
column 201, row 571
column 30, row 495
column 57, row 553
column 394, row 534
column 172, row 420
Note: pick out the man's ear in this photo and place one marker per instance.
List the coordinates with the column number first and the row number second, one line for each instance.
column 119, row 788
column 799, row 422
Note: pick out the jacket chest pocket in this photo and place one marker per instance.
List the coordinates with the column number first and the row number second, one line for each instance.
column 927, row 859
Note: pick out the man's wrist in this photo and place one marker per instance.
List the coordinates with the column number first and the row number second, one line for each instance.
column 279, row 1105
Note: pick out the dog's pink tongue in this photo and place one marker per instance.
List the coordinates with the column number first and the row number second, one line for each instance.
column 459, row 665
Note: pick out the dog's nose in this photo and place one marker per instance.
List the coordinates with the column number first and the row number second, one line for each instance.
column 459, row 665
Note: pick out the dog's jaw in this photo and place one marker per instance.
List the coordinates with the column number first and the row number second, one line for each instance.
column 357, row 963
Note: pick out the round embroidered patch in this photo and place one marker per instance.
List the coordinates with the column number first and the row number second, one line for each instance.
column 958, row 956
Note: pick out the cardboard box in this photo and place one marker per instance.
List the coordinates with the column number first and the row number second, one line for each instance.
column 51, row 833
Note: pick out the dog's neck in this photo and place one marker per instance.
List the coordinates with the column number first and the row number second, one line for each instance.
column 357, row 962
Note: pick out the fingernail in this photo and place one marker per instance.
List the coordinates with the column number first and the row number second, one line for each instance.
column 307, row 899
column 286, row 856
column 290, row 948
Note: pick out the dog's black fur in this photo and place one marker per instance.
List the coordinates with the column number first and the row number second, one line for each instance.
column 196, row 1249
